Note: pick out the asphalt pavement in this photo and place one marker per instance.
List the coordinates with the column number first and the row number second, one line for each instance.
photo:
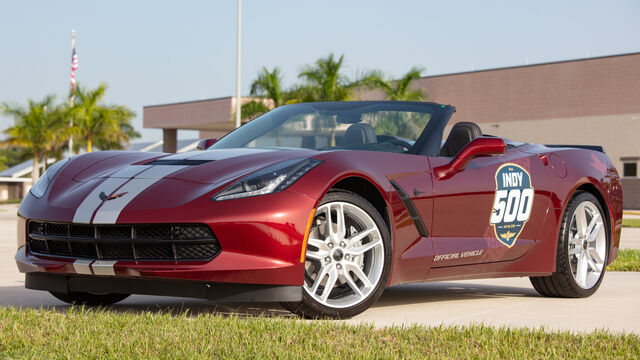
column 500, row 302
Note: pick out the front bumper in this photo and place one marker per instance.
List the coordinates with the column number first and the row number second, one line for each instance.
column 219, row 292
column 261, row 241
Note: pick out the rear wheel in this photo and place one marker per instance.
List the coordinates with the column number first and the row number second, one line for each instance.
column 348, row 258
column 89, row 299
column 582, row 251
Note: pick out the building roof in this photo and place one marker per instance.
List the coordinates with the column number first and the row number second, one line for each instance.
column 208, row 114
column 156, row 146
column 211, row 114
column 21, row 169
column 146, row 146
column 187, row 145
column 25, row 168
column 4, row 179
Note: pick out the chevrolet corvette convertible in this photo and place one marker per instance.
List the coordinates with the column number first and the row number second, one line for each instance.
column 320, row 207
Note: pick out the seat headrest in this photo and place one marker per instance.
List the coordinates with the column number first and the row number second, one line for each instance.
column 359, row 133
column 461, row 134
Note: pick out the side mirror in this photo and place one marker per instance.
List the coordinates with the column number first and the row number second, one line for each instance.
column 482, row 146
column 205, row 143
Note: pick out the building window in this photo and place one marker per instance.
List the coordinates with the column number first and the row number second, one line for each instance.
column 630, row 166
column 630, row 169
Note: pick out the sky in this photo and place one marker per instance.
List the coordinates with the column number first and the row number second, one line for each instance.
column 156, row 52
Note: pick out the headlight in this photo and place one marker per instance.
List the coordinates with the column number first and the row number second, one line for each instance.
column 269, row 180
column 42, row 184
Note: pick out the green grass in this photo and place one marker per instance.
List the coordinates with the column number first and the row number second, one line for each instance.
column 83, row 334
column 10, row 201
column 627, row 260
column 631, row 223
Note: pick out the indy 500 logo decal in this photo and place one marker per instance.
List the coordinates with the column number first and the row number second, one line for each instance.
column 512, row 203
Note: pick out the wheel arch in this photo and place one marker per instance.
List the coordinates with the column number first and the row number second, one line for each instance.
column 593, row 190
column 365, row 188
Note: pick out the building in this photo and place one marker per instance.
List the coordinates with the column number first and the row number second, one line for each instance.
column 212, row 117
column 16, row 181
column 593, row 101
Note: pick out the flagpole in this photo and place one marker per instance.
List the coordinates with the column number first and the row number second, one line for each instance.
column 73, row 46
column 238, row 62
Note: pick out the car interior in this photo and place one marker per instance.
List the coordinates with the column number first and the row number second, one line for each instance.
column 461, row 134
column 359, row 133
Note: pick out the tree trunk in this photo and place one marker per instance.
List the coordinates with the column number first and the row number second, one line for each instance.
column 89, row 145
column 35, row 172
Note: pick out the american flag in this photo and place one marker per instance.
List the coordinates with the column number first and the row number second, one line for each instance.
column 74, row 67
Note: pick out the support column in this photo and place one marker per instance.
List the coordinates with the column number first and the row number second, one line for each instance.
column 170, row 140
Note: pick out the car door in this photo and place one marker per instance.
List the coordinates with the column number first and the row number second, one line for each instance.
column 490, row 211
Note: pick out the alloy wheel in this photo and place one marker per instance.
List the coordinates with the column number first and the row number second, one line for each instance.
column 345, row 255
column 587, row 245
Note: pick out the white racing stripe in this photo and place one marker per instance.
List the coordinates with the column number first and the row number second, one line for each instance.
column 102, row 267
column 159, row 171
column 82, row 267
column 92, row 201
column 218, row 154
column 131, row 171
column 110, row 210
column 222, row 154
column 130, row 181
column 108, row 213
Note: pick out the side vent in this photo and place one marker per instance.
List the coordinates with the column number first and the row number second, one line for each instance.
column 411, row 208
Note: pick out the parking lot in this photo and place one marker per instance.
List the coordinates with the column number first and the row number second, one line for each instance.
column 508, row 302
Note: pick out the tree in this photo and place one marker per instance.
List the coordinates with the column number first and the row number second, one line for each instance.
column 400, row 89
column 268, row 84
column 107, row 126
column 13, row 155
column 37, row 128
column 324, row 80
column 116, row 140
column 401, row 124
column 252, row 109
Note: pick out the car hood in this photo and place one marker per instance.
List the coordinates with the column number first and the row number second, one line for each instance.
column 206, row 167
column 100, row 187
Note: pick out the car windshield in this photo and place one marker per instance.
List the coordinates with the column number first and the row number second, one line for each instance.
column 356, row 125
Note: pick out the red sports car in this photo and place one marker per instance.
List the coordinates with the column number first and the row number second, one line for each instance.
column 321, row 206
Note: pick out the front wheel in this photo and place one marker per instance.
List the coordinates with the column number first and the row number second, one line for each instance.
column 348, row 258
column 582, row 251
column 89, row 299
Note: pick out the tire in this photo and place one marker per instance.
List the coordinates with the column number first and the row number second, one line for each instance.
column 582, row 254
column 357, row 264
column 89, row 299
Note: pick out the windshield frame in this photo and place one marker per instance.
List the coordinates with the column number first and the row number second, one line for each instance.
column 427, row 143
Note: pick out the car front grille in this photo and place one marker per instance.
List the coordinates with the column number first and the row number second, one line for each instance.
column 123, row 242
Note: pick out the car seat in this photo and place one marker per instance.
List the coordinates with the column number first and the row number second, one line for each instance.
column 461, row 134
column 357, row 134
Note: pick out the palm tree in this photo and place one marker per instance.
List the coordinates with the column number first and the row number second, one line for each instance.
column 268, row 84
column 38, row 128
column 252, row 109
column 117, row 139
column 401, row 124
column 325, row 81
column 107, row 126
column 401, row 89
